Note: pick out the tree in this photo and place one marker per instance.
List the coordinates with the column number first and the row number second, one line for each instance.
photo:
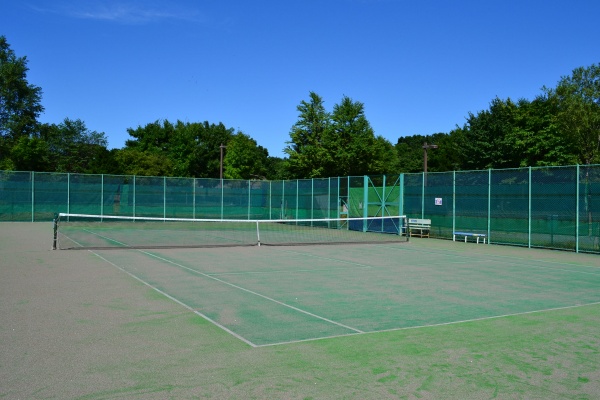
column 578, row 101
column 20, row 102
column 72, row 147
column 384, row 159
column 30, row 154
column 410, row 153
column 486, row 141
column 307, row 155
column 351, row 140
column 244, row 159
column 192, row 148
column 536, row 135
column 135, row 162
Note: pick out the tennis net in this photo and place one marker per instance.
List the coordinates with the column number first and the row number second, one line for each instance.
column 82, row 231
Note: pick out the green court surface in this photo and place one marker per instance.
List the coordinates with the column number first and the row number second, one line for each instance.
column 270, row 295
column 424, row 319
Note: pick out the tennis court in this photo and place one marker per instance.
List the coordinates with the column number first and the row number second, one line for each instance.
column 423, row 318
column 273, row 295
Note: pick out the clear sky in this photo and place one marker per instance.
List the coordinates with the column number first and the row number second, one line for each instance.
column 418, row 66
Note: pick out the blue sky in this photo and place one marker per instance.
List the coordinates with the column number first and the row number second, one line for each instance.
column 419, row 67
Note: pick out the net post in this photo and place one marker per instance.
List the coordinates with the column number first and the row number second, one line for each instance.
column 55, row 227
column 257, row 234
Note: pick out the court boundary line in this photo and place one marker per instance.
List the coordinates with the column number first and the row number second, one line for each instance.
column 433, row 325
column 442, row 252
column 232, row 285
column 356, row 331
column 172, row 298
column 253, row 292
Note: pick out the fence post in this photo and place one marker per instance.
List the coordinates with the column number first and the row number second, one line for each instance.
column 529, row 216
column 101, row 195
column 423, row 195
column 32, row 196
column 401, row 196
column 489, row 221
column 453, row 202
column 329, row 197
column 194, row 198
column 312, row 198
column 134, row 195
column 68, row 193
column 365, row 201
column 282, row 205
column 249, row 197
column 577, row 212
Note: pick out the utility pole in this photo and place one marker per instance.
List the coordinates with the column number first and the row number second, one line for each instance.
column 425, row 148
column 221, row 147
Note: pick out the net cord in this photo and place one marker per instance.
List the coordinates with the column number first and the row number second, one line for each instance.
column 257, row 221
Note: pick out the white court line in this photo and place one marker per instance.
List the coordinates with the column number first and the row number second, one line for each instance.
column 237, row 287
column 521, row 261
column 433, row 325
column 177, row 301
column 252, row 292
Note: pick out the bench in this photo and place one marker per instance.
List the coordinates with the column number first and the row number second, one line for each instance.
column 419, row 227
column 468, row 235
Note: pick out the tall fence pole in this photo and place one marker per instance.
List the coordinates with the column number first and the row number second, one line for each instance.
column 529, row 213
column 423, row 196
column 134, row 195
column 102, row 195
column 32, row 196
column 489, row 213
column 453, row 202
column 365, row 201
column 577, row 211
column 401, row 196
column 194, row 198
column 68, row 193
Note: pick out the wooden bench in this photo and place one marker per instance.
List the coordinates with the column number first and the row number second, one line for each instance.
column 468, row 235
column 419, row 227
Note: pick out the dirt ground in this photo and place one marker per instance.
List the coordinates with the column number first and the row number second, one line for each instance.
column 74, row 327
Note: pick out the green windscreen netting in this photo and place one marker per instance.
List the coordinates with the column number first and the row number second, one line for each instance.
column 552, row 207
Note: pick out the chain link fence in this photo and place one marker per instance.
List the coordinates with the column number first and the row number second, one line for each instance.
column 548, row 207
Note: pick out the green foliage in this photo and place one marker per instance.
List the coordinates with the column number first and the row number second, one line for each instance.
column 135, row 162
column 192, row 148
column 578, row 101
column 20, row 102
column 74, row 148
column 30, row 154
column 338, row 144
column 559, row 127
column 244, row 159
column 308, row 156
column 351, row 141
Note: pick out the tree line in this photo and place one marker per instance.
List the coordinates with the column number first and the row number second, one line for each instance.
column 561, row 126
